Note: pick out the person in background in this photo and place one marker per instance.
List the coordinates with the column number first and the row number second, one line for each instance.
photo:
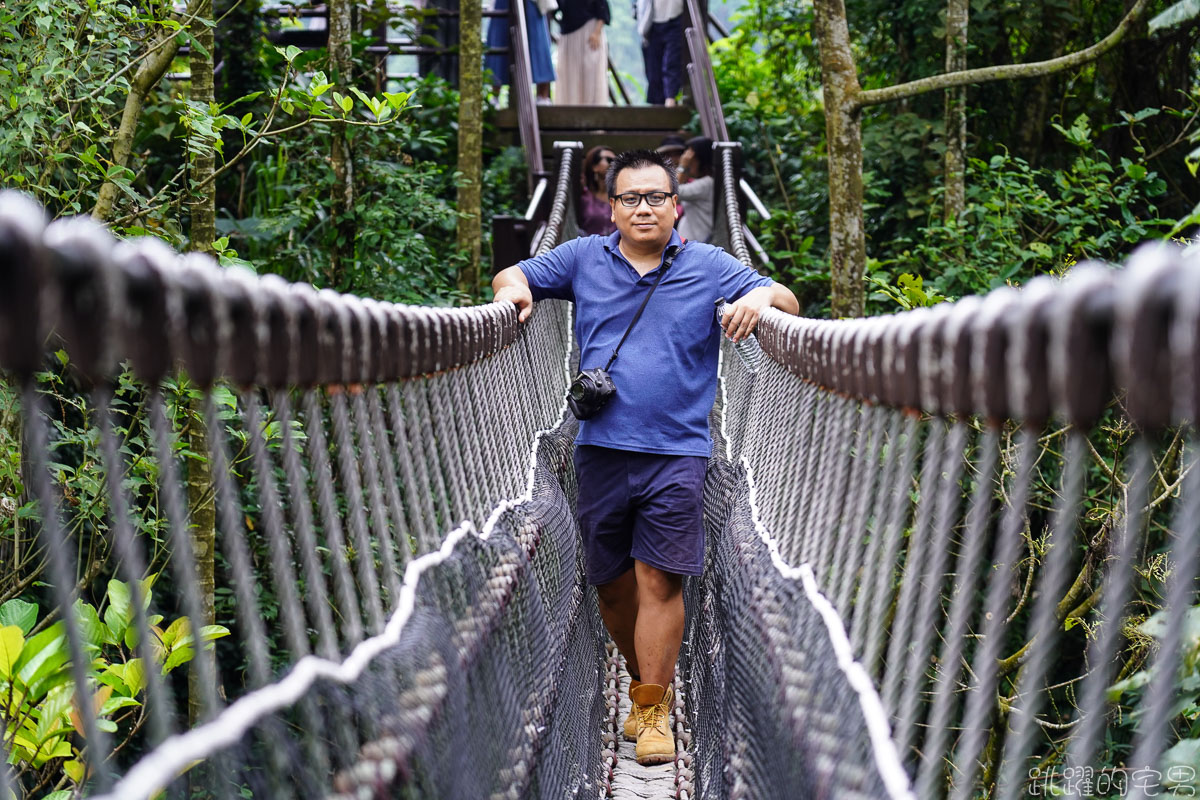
column 696, row 190
column 595, row 213
column 672, row 147
column 538, row 32
column 660, row 22
column 583, row 53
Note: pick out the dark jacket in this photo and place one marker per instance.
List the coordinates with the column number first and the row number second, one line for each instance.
column 577, row 13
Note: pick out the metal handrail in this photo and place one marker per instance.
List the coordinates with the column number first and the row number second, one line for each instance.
column 702, row 79
column 522, row 85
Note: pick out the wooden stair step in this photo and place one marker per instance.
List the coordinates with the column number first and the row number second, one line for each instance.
column 602, row 118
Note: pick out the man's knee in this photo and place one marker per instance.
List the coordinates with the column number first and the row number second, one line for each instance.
column 656, row 585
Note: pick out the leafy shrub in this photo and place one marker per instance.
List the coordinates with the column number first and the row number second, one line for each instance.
column 43, row 732
column 1023, row 221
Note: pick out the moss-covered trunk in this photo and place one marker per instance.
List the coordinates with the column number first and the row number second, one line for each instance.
column 203, row 233
column 341, row 159
column 470, row 141
column 843, row 131
column 954, row 162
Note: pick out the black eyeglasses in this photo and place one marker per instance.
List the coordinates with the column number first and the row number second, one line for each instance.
column 634, row 199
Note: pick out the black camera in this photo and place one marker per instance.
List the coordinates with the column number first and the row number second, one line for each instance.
column 590, row 392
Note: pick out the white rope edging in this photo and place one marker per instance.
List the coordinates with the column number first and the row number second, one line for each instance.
column 887, row 760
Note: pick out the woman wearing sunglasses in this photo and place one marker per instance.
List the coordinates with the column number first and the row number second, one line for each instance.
column 594, row 213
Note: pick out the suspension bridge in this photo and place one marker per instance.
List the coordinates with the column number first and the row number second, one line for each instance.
column 901, row 512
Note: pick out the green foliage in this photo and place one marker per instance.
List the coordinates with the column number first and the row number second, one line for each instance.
column 1023, row 221
column 62, row 84
column 1185, row 707
column 43, row 732
column 908, row 293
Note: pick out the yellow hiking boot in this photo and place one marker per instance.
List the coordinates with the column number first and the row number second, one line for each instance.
column 631, row 720
column 655, row 743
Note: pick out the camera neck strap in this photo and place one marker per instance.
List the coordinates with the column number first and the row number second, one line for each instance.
column 672, row 252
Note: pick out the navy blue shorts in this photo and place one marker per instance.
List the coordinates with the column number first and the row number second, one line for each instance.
column 640, row 506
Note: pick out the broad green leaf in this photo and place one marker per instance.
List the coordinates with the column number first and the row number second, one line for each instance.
column 1133, row 682
column 120, row 609
column 396, row 99
column 222, row 396
column 20, row 613
column 180, row 655
column 148, row 588
column 135, row 676
column 61, row 749
column 115, row 704
column 212, row 632
column 131, row 637
column 290, row 53
column 53, row 712
column 93, row 630
column 75, row 770
column 11, row 643
column 41, row 656
column 114, row 676
column 318, row 79
column 178, row 629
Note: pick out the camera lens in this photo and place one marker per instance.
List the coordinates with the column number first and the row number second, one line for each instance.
column 576, row 390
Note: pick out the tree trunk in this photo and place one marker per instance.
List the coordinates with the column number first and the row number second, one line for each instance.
column 843, row 133
column 160, row 53
column 954, row 163
column 203, row 233
column 203, row 159
column 470, row 141
column 342, row 200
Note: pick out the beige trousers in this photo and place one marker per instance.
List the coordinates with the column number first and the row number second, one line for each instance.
column 582, row 72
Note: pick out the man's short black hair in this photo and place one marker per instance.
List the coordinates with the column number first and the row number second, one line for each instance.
column 636, row 159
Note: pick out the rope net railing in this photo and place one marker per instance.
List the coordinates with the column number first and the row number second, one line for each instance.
column 998, row 498
column 329, row 444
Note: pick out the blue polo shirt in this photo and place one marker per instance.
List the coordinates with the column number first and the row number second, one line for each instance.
column 666, row 373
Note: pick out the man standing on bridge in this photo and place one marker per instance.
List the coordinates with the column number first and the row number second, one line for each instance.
column 641, row 460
